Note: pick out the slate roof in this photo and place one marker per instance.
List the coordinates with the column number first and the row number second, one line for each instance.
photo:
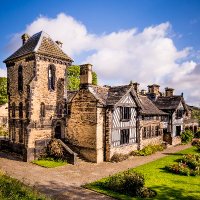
column 168, row 103
column 116, row 93
column 70, row 95
column 40, row 43
column 148, row 107
column 100, row 93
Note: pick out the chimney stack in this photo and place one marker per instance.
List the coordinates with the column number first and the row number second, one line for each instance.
column 135, row 86
column 154, row 89
column 59, row 43
column 85, row 75
column 25, row 38
column 143, row 92
column 169, row 92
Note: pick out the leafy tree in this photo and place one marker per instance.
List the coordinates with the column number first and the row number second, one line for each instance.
column 196, row 114
column 73, row 75
column 3, row 90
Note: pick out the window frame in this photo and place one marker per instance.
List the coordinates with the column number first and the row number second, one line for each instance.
column 125, row 114
column 42, row 109
column 20, row 79
column 124, row 136
column 20, row 110
column 51, row 77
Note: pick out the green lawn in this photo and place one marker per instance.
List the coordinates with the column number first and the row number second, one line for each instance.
column 166, row 184
column 12, row 189
column 49, row 163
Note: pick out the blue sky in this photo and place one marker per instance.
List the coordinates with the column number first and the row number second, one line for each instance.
column 101, row 18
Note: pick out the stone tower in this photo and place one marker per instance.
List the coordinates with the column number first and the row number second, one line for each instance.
column 36, row 93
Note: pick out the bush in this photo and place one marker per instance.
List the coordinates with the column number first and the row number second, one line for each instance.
column 189, row 165
column 55, row 150
column 196, row 143
column 130, row 183
column 118, row 157
column 148, row 150
column 3, row 131
column 186, row 136
column 192, row 160
column 197, row 134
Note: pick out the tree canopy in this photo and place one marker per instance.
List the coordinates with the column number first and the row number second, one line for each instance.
column 73, row 74
column 3, row 90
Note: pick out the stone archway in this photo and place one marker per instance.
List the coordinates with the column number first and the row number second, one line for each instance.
column 58, row 131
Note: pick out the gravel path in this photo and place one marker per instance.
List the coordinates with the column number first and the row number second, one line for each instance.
column 64, row 182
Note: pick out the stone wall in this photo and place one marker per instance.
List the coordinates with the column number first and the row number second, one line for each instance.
column 123, row 149
column 82, row 125
column 176, row 140
column 153, row 140
column 14, row 96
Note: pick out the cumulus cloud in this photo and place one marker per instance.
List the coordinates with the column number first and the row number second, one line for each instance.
column 148, row 56
column 3, row 72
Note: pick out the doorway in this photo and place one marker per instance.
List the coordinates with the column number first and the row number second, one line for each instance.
column 178, row 130
column 58, row 131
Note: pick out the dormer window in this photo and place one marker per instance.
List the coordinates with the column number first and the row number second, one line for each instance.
column 51, row 77
column 125, row 113
column 20, row 79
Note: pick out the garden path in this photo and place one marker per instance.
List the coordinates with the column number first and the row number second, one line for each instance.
column 63, row 183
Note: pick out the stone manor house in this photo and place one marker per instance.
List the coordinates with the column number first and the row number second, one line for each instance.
column 95, row 122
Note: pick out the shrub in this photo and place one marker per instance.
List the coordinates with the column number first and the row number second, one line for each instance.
column 3, row 131
column 118, row 157
column 148, row 150
column 186, row 136
column 192, row 160
column 196, row 143
column 189, row 165
column 130, row 183
column 55, row 150
column 197, row 134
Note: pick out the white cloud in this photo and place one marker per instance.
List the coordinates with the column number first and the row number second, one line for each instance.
column 3, row 72
column 149, row 56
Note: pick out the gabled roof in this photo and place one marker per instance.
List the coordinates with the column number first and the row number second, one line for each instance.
column 148, row 107
column 100, row 93
column 169, row 103
column 116, row 93
column 40, row 43
column 70, row 95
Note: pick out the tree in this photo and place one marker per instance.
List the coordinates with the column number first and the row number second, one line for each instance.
column 3, row 90
column 73, row 75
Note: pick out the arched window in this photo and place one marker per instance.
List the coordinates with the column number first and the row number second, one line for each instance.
column 20, row 79
column 13, row 110
column 59, row 110
column 20, row 110
column 42, row 110
column 51, row 77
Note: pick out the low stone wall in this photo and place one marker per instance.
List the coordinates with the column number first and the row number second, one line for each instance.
column 152, row 141
column 125, row 149
column 176, row 140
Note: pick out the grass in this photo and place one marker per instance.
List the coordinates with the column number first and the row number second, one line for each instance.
column 167, row 185
column 12, row 189
column 49, row 163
